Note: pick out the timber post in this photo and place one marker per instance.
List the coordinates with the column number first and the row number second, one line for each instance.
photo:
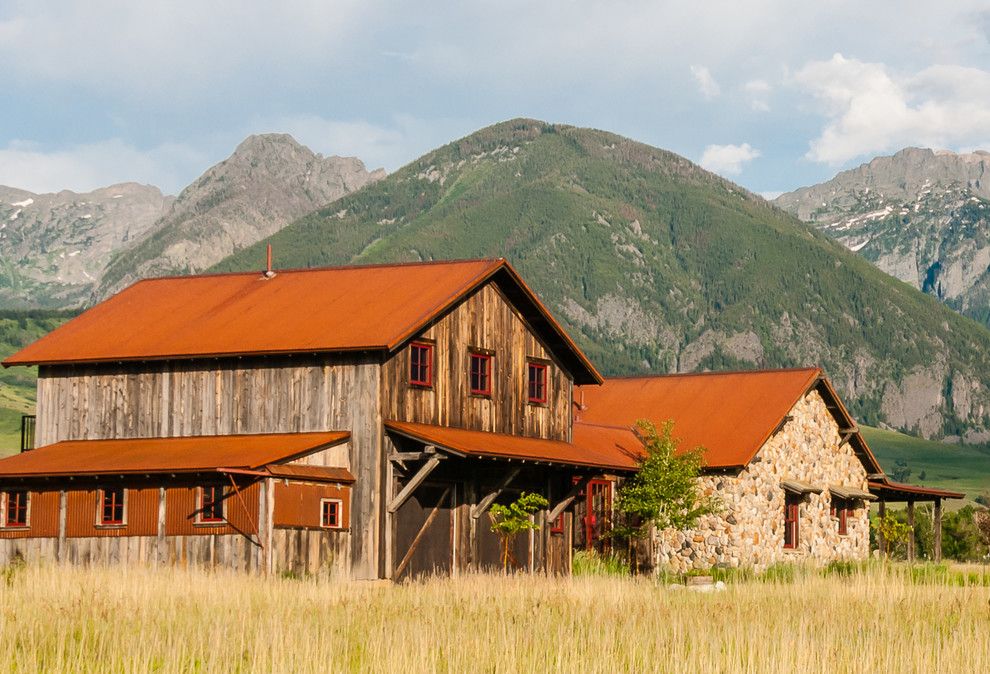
column 60, row 548
column 881, row 542
column 910, row 539
column 937, row 526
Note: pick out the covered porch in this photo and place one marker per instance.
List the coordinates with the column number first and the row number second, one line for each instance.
column 888, row 491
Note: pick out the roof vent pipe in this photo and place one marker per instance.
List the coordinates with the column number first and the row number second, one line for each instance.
column 268, row 269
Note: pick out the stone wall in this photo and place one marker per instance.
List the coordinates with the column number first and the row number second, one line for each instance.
column 748, row 531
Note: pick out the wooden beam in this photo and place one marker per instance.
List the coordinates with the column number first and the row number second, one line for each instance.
column 419, row 535
column 569, row 499
column 880, row 539
column 937, row 516
column 910, row 540
column 478, row 509
column 415, row 456
column 414, row 482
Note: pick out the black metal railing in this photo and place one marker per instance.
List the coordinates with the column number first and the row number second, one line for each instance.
column 27, row 432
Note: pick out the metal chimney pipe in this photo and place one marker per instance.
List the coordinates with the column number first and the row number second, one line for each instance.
column 268, row 268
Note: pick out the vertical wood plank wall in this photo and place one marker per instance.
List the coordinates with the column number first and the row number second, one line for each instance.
column 485, row 321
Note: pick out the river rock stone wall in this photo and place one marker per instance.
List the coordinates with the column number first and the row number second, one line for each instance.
column 748, row 530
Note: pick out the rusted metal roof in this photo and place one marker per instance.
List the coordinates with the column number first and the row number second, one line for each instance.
column 311, row 473
column 730, row 414
column 503, row 446
column 888, row 490
column 165, row 455
column 621, row 445
column 355, row 308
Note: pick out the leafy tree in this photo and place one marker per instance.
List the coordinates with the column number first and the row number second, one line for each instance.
column 901, row 471
column 664, row 493
column 508, row 521
column 981, row 518
column 893, row 531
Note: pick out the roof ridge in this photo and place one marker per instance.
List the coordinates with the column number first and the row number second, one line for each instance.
column 715, row 373
column 338, row 267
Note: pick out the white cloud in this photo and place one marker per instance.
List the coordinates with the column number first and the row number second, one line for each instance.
column 758, row 91
column 82, row 168
column 870, row 109
column 706, row 82
column 727, row 159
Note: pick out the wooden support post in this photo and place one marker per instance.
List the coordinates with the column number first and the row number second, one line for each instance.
column 61, row 551
column 419, row 535
column 569, row 499
column 414, row 482
column 882, row 512
column 910, row 540
column 937, row 517
column 479, row 508
column 268, row 541
column 161, row 548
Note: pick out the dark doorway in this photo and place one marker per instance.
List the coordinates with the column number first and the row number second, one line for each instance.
column 424, row 528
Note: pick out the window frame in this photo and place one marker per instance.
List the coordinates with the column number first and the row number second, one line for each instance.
column 26, row 508
column 535, row 365
column 201, row 517
column 340, row 513
column 840, row 512
column 429, row 348
column 488, row 358
column 792, row 521
column 101, row 507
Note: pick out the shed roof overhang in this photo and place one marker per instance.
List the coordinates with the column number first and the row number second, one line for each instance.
column 482, row 444
column 888, row 490
column 153, row 456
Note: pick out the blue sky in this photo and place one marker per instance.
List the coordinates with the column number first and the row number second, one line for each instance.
column 773, row 94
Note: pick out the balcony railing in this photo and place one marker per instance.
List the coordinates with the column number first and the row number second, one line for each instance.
column 27, row 432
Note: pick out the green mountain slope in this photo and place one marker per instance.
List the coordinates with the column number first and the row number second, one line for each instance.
column 654, row 264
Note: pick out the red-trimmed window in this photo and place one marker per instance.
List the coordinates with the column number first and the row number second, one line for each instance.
column 481, row 374
column 112, row 505
column 331, row 511
column 557, row 526
column 792, row 508
column 421, row 364
column 840, row 511
column 537, row 383
column 16, row 511
column 211, row 504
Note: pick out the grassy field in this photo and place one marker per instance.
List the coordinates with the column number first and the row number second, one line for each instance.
column 141, row 620
column 963, row 468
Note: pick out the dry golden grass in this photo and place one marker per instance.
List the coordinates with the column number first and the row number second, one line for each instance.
column 137, row 620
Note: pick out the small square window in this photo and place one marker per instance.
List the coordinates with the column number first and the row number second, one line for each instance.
column 481, row 374
column 211, row 504
column 421, row 364
column 16, row 510
column 112, row 505
column 537, row 383
column 330, row 513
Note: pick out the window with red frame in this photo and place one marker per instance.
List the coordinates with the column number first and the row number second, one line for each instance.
column 537, row 383
column 481, row 374
column 330, row 513
column 112, row 505
column 840, row 511
column 16, row 514
column 421, row 364
column 211, row 504
column 792, row 508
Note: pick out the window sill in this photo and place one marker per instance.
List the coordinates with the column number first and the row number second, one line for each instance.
column 537, row 403
column 122, row 525
column 420, row 387
column 482, row 396
column 16, row 527
column 211, row 525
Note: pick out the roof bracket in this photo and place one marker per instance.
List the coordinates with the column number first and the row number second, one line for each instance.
column 569, row 499
column 478, row 509
column 414, row 482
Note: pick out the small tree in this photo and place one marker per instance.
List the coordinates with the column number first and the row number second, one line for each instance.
column 892, row 531
column 981, row 518
column 664, row 492
column 511, row 520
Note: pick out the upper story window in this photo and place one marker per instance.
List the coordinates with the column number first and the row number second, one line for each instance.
column 112, row 507
column 211, row 504
column 481, row 374
column 792, row 509
column 537, row 383
column 421, row 364
column 840, row 512
column 16, row 509
column 331, row 513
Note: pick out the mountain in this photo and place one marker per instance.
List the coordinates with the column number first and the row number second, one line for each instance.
column 922, row 216
column 54, row 246
column 266, row 183
column 654, row 264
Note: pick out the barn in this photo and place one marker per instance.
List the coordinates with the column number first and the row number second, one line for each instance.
column 363, row 420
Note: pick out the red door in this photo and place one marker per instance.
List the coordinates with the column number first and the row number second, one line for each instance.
column 598, row 513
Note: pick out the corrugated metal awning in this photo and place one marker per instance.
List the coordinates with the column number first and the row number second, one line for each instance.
column 851, row 493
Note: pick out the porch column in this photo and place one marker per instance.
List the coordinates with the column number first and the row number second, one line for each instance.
column 881, row 543
column 937, row 525
column 910, row 540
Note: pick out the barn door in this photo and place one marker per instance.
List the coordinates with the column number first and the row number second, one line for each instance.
column 424, row 532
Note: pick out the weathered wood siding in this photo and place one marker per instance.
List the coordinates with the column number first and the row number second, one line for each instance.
column 486, row 321
column 220, row 397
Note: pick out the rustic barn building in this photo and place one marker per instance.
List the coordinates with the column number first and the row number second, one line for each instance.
column 785, row 460
column 364, row 419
